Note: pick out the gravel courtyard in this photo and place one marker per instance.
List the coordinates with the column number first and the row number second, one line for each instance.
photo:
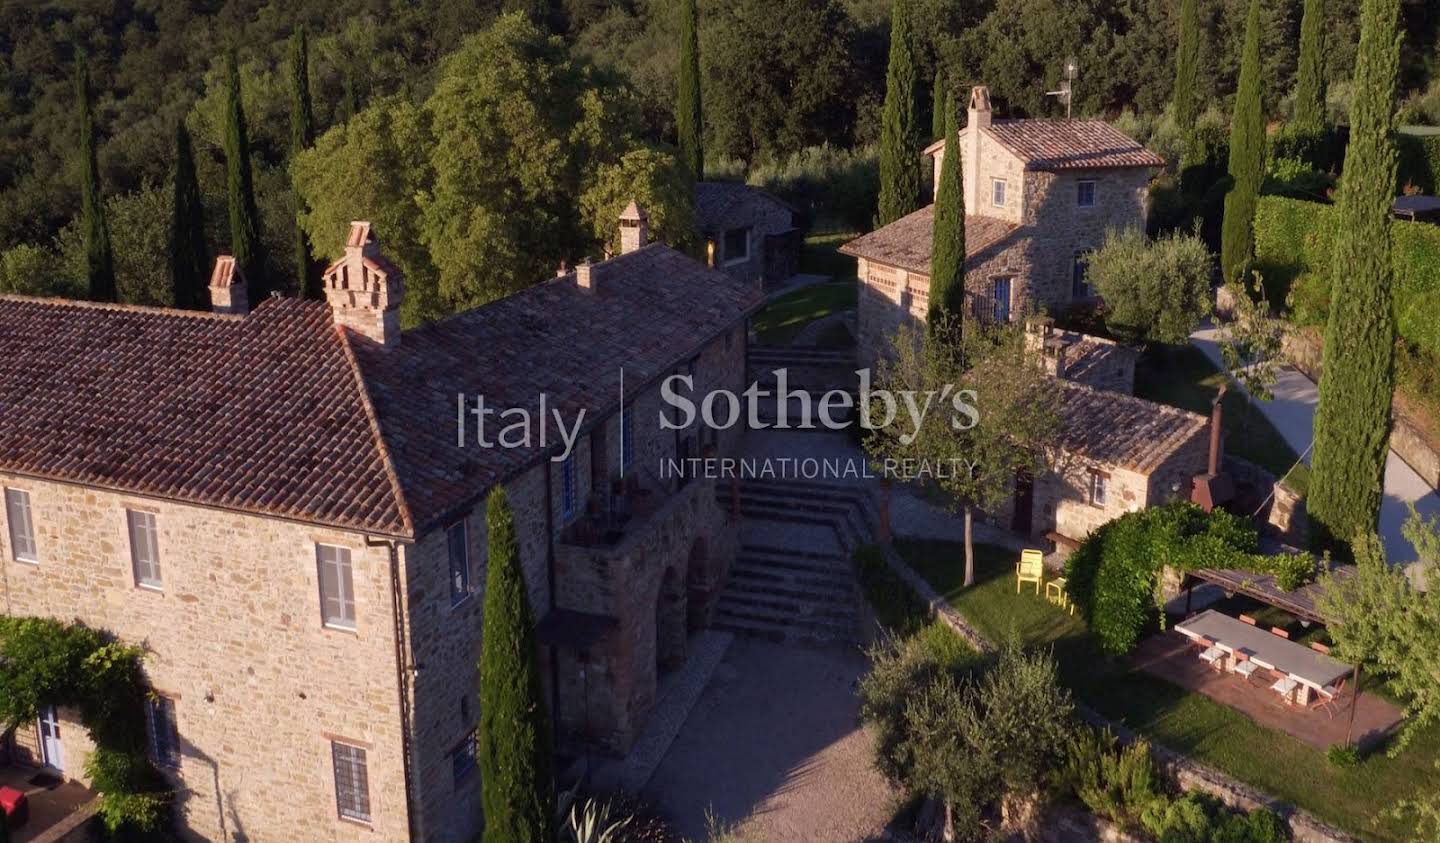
column 774, row 746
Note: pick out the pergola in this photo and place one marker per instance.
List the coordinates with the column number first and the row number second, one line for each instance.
column 1262, row 587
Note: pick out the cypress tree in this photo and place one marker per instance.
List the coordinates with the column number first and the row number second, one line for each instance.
column 940, row 106
column 515, row 782
column 99, row 260
column 1187, row 61
column 688, row 114
column 302, row 134
column 1247, row 157
column 899, row 132
column 244, row 216
column 1310, row 75
column 1352, row 422
column 187, row 229
column 947, row 261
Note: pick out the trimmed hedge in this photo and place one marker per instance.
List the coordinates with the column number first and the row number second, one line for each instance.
column 1114, row 576
column 1293, row 241
column 1419, row 161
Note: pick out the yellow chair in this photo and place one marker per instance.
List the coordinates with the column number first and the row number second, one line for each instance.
column 1055, row 593
column 1030, row 568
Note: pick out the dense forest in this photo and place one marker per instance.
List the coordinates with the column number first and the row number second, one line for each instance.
column 413, row 98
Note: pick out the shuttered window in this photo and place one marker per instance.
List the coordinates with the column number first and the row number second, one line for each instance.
column 144, row 548
column 456, row 539
column 164, row 733
column 337, row 586
column 22, row 529
column 352, row 781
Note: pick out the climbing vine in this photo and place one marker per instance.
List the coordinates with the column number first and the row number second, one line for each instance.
column 1114, row 576
column 46, row 662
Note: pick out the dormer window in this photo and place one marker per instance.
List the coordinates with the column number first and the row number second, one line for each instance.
column 997, row 192
column 1085, row 193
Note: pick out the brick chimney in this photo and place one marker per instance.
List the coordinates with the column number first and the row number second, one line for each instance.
column 634, row 228
column 227, row 287
column 364, row 289
column 978, row 119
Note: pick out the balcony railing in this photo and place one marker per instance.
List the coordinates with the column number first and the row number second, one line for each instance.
column 616, row 510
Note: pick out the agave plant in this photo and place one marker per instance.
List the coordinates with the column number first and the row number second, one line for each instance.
column 594, row 822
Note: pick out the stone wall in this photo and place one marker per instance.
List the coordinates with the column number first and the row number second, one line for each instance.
column 235, row 637
column 1058, row 229
column 764, row 218
column 446, row 638
column 1304, row 350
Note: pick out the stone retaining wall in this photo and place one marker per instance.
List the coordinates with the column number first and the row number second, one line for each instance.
column 1304, row 351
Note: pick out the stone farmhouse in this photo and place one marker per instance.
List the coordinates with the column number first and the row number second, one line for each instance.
column 750, row 233
column 1118, row 453
column 285, row 505
column 1040, row 195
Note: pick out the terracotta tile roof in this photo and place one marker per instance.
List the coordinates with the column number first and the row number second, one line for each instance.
column 906, row 242
column 650, row 311
column 1092, row 360
column 724, row 204
column 262, row 414
column 1122, row 430
column 1054, row 144
column 282, row 413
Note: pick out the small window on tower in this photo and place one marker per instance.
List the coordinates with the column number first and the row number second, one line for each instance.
column 1085, row 194
column 997, row 192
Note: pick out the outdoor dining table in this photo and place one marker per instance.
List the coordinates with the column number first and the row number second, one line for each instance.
column 1313, row 670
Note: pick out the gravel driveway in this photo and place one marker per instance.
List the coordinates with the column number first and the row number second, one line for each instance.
column 773, row 745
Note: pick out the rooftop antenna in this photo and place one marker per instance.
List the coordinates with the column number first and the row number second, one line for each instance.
column 1072, row 69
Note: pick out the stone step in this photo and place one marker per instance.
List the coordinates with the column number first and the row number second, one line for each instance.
column 849, row 535
column 749, row 575
column 754, row 550
column 794, row 567
column 745, row 621
column 781, row 607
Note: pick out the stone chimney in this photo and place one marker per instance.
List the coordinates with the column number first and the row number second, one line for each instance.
column 978, row 119
column 364, row 289
column 634, row 228
column 227, row 287
column 586, row 275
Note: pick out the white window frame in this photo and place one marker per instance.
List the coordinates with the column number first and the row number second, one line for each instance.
column 1079, row 193
column 998, row 187
column 342, row 599
column 141, row 523
column 19, row 515
column 357, row 763
column 1099, row 488
column 730, row 259
column 461, row 591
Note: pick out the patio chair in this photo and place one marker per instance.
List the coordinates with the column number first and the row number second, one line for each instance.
column 1332, row 698
column 1214, row 657
column 1243, row 667
column 1030, row 568
column 1055, row 593
column 1285, row 687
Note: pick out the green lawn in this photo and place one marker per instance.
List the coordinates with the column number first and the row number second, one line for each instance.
column 783, row 318
column 1186, row 722
column 1182, row 376
column 820, row 254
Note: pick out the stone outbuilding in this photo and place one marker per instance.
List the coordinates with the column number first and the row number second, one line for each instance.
column 1040, row 195
column 748, row 232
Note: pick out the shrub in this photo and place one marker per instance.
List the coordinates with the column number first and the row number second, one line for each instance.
column 1117, row 783
column 1198, row 818
column 1155, row 291
column 1343, row 755
column 1114, row 575
column 830, row 185
column 898, row 610
column 1419, row 161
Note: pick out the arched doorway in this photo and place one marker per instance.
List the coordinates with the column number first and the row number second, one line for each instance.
column 698, row 585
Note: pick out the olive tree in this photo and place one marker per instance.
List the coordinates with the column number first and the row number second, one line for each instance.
column 1155, row 291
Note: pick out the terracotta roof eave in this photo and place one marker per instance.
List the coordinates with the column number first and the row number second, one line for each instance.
column 403, row 509
column 258, row 512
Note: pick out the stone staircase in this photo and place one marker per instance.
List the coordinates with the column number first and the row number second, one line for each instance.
column 808, row 370
column 793, row 580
